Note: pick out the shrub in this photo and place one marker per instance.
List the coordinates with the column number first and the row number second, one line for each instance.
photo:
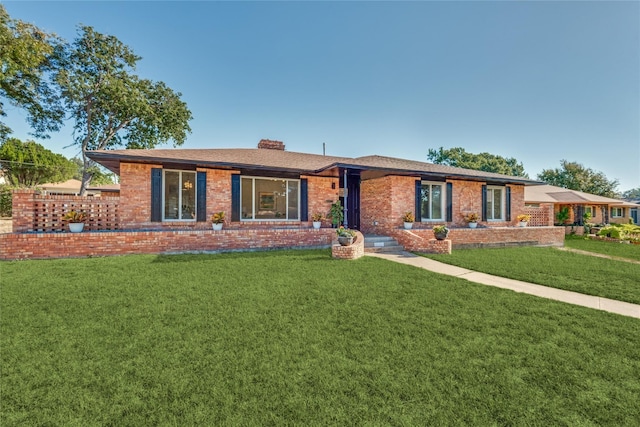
column 6, row 198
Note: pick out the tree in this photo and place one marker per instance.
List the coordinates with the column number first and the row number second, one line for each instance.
column 575, row 176
column 27, row 164
column 98, row 173
column 633, row 194
column 27, row 58
column 459, row 157
column 111, row 106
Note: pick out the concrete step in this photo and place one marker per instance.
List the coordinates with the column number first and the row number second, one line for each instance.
column 381, row 244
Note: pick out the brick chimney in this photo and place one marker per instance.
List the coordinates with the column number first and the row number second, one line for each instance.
column 268, row 144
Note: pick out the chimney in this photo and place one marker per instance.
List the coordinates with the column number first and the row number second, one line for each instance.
column 268, row 144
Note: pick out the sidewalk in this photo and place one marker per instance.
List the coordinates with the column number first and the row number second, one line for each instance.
column 605, row 304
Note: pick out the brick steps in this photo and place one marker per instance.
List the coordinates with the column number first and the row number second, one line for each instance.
column 381, row 244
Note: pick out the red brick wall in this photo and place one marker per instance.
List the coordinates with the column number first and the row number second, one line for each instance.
column 32, row 211
column 135, row 196
column 320, row 196
column 417, row 240
column 385, row 200
column 63, row 245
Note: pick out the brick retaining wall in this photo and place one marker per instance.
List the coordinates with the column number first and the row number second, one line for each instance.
column 104, row 243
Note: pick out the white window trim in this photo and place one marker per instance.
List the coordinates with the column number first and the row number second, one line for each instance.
column 180, row 196
column 621, row 210
column 503, row 195
column 443, row 206
column 253, row 198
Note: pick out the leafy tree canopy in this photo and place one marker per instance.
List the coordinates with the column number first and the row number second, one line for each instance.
column 111, row 106
column 26, row 58
column 575, row 176
column 633, row 194
column 27, row 164
column 98, row 173
column 459, row 157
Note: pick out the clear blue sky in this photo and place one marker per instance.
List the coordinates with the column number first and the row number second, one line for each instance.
column 538, row 81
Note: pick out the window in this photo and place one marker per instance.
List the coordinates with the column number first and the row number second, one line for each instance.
column 179, row 195
column 591, row 210
column 495, row 203
column 269, row 199
column 432, row 201
column 617, row 212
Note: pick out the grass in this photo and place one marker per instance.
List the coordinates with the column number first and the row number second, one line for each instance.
column 548, row 266
column 297, row 338
column 615, row 249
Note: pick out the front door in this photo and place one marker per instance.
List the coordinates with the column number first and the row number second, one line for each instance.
column 352, row 205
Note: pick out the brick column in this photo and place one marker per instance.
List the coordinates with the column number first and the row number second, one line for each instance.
column 22, row 210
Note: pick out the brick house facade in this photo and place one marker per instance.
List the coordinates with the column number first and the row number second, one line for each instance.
column 269, row 195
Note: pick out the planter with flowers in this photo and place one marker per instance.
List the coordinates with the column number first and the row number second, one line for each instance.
column 217, row 220
column 317, row 220
column 472, row 219
column 523, row 220
column 76, row 220
column 408, row 219
column 441, row 232
column 345, row 236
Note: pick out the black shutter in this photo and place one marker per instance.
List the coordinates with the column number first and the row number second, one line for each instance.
column 418, row 205
column 304, row 207
column 508, row 203
column 449, row 202
column 201, row 191
column 484, row 202
column 156, row 194
column 235, row 197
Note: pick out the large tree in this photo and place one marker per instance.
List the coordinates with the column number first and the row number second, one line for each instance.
column 27, row 164
column 99, row 175
column 575, row 176
column 27, row 59
column 487, row 162
column 633, row 194
column 111, row 106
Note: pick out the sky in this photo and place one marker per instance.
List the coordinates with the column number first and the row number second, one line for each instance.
column 540, row 81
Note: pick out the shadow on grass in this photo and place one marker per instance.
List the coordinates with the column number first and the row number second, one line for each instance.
column 307, row 255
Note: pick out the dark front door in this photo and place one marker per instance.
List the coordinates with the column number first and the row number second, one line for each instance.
column 352, row 205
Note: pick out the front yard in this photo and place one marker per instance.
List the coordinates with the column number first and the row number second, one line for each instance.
column 552, row 267
column 295, row 337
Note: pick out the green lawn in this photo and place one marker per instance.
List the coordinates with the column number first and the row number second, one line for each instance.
column 297, row 338
column 555, row 268
column 615, row 249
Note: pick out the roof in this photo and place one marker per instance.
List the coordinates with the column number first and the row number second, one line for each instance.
column 288, row 161
column 552, row 194
column 70, row 184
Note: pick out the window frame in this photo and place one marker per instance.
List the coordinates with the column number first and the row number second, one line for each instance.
column 254, row 202
column 195, row 201
column 443, row 201
column 490, row 199
column 618, row 209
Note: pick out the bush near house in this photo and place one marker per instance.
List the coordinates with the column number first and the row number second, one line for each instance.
column 5, row 200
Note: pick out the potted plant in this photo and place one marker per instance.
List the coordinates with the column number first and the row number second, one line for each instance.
column 317, row 220
column 76, row 220
column 524, row 219
column 336, row 213
column 345, row 236
column 217, row 219
column 441, row 232
column 408, row 219
column 472, row 219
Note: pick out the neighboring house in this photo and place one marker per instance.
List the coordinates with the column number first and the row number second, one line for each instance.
column 270, row 187
column 72, row 187
column 603, row 210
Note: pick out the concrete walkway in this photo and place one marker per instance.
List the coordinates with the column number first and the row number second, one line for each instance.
column 605, row 304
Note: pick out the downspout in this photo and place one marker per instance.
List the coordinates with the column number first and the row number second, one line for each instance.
column 346, row 194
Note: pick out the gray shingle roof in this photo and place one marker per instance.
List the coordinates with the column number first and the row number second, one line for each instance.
column 278, row 160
